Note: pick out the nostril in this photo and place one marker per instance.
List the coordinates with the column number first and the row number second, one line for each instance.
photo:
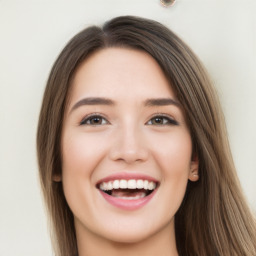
column 130, row 156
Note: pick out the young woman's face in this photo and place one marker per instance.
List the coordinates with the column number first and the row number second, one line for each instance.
column 127, row 151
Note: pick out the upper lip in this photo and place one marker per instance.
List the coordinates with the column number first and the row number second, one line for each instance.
column 127, row 176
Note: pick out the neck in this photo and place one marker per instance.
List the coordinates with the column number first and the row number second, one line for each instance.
column 161, row 243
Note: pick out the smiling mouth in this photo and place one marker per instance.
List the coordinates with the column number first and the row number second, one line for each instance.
column 128, row 189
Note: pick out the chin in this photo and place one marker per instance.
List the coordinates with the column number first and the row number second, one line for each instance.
column 130, row 230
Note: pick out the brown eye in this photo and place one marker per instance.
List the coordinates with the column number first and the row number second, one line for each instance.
column 162, row 120
column 158, row 120
column 94, row 120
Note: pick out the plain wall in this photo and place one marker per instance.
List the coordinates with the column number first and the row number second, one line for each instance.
column 33, row 32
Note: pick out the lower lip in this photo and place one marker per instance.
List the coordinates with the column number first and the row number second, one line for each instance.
column 128, row 204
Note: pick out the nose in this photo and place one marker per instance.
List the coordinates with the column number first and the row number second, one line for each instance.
column 129, row 146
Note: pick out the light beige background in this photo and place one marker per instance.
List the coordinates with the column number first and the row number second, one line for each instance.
column 32, row 33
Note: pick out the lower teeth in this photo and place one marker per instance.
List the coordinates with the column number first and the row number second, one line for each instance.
column 131, row 197
column 128, row 194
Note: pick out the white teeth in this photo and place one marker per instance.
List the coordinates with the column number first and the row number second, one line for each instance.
column 123, row 184
column 128, row 184
column 116, row 184
column 105, row 186
column 110, row 186
column 132, row 184
column 145, row 184
column 140, row 184
column 151, row 185
column 101, row 186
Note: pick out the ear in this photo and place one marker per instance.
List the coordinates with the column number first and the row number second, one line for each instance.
column 193, row 172
column 57, row 177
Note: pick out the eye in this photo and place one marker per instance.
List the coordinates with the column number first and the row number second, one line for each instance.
column 162, row 120
column 94, row 120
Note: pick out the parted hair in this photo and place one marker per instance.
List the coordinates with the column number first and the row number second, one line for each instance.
column 214, row 218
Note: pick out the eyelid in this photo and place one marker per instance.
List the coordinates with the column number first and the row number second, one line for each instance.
column 91, row 115
column 171, row 120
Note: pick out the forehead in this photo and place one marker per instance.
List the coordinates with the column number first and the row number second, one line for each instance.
column 120, row 72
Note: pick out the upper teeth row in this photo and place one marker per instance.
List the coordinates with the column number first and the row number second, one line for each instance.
column 130, row 184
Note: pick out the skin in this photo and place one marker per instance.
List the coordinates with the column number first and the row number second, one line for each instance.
column 125, row 137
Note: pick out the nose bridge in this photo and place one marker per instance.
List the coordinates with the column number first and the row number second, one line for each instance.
column 129, row 144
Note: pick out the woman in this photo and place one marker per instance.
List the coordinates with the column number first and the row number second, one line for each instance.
column 133, row 152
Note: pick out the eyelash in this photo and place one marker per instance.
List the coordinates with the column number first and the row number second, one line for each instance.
column 167, row 120
column 91, row 117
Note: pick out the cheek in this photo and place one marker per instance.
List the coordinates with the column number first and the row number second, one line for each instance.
column 173, row 156
column 174, row 153
column 81, row 153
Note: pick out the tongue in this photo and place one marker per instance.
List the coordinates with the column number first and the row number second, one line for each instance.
column 128, row 193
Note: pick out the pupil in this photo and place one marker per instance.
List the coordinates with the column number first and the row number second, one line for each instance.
column 158, row 120
column 96, row 120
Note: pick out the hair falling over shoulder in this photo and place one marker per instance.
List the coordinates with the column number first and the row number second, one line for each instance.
column 214, row 218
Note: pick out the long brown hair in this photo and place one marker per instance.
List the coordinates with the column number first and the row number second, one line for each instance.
column 214, row 218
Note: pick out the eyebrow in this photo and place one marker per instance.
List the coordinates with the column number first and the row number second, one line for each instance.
column 93, row 101
column 108, row 102
column 161, row 102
